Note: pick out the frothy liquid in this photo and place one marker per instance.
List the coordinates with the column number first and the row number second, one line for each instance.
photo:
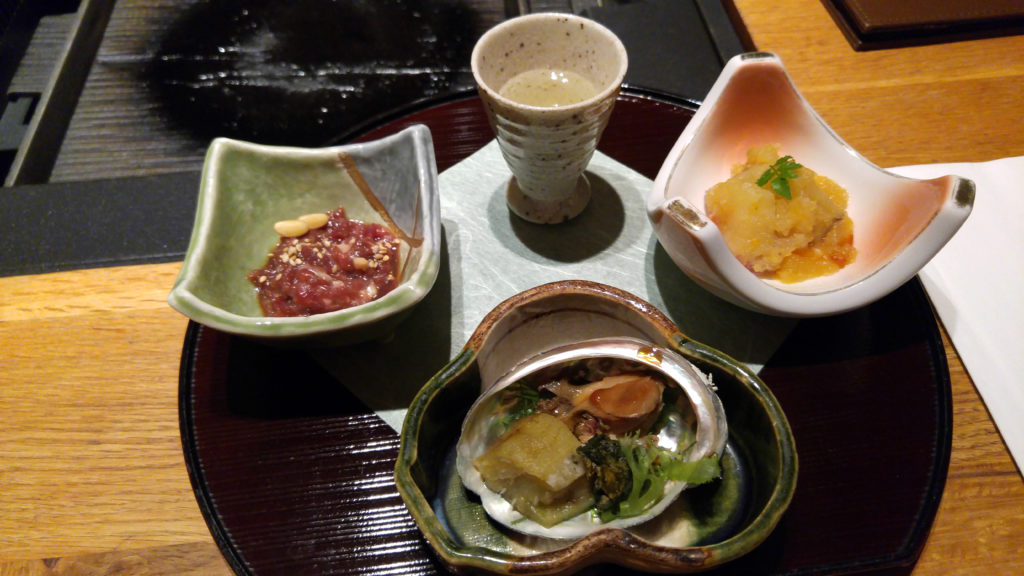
column 548, row 88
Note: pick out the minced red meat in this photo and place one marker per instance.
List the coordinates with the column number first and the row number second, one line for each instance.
column 342, row 264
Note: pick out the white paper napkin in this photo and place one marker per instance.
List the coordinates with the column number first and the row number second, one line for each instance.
column 976, row 283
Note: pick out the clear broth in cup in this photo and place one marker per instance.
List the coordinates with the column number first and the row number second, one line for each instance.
column 548, row 88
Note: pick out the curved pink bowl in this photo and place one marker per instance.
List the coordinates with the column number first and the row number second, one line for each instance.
column 899, row 223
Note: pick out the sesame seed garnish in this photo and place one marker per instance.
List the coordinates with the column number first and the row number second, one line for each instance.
column 366, row 261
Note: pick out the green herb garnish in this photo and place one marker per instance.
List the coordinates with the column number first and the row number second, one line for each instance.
column 652, row 467
column 779, row 174
column 524, row 399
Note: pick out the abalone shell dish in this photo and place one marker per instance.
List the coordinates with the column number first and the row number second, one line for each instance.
column 728, row 518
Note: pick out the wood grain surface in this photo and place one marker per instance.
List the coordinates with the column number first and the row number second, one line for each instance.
column 92, row 480
column 955, row 102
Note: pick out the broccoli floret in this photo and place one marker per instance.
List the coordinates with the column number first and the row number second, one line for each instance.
column 607, row 470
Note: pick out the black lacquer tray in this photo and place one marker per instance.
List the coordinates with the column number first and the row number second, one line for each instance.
column 294, row 474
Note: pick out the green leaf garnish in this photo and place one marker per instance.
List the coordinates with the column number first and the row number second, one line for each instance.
column 696, row 472
column 779, row 174
column 524, row 399
column 652, row 467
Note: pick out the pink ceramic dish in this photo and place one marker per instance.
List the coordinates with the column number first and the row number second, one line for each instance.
column 899, row 223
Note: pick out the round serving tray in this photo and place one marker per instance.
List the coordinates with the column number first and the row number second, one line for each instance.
column 294, row 474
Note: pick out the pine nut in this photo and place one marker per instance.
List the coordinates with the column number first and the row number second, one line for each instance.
column 291, row 228
column 314, row 221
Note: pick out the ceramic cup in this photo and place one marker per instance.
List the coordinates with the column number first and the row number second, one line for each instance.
column 546, row 137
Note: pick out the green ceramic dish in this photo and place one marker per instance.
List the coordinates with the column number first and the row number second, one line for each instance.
column 247, row 187
column 715, row 524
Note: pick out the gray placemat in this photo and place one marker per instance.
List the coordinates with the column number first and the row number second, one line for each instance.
column 490, row 255
column 98, row 223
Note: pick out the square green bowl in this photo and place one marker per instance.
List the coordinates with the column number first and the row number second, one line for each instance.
column 246, row 188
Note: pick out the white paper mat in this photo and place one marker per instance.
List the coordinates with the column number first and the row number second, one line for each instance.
column 493, row 255
column 976, row 284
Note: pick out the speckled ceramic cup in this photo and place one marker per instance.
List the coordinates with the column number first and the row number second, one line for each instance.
column 548, row 147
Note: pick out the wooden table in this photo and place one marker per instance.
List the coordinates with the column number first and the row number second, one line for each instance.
column 92, row 479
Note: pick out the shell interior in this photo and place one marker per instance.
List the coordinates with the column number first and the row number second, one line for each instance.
column 700, row 426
